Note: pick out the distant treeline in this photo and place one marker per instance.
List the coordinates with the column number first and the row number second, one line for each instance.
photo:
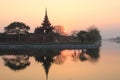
column 19, row 32
column 90, row 36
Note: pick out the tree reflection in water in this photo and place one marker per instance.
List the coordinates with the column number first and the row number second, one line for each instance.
column 16, row 62
column 47, row 57
column 89, row 54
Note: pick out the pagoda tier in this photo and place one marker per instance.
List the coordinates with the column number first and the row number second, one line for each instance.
column 45, row 26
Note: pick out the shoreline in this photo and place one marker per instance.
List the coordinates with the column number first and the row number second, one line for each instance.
column 49, row 46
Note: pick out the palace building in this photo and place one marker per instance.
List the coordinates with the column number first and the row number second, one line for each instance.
column 45, row 32
column 45, row 27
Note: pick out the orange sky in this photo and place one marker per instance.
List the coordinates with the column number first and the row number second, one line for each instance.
column 72, row 14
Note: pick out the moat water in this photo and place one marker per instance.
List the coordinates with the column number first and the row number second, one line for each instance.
column 57, row 64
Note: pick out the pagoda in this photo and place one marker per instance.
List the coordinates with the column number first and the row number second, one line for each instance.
column 45, row 27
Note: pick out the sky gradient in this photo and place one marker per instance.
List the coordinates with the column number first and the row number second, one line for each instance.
column 72, row 14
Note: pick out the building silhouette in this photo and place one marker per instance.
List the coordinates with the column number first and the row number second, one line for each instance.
column 45, row 27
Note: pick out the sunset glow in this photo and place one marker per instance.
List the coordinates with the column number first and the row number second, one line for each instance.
column 72, row 14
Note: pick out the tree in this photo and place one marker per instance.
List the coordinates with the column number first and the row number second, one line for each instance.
column 82, row 36
column 74, row 33
column 93, row 34
column 17, row 28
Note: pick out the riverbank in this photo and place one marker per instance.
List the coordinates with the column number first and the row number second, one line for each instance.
column 49, row 45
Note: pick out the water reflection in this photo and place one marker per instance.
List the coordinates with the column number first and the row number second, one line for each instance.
column 89, row 54
column 17, row 62
column 19, row 59
column 46, row 58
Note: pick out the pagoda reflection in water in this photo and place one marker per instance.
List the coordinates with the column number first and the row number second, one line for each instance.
column 19, row 59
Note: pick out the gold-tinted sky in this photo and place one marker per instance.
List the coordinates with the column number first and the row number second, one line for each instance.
column 72, row 14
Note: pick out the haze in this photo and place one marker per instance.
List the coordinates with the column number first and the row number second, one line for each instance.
column 72, row 14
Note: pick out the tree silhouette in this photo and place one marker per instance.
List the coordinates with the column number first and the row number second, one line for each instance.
column 93, row 34
column 82, row 35
column 17, row 28
column 74, row 33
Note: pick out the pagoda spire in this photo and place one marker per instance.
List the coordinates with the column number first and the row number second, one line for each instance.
column 46, row 13
column 46, row 21
column 45, row 26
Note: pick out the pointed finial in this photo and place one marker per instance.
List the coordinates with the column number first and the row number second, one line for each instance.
column 46, row 11
column 46, row 76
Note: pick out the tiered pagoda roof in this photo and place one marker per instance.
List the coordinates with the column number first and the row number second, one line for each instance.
column 45, row 26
